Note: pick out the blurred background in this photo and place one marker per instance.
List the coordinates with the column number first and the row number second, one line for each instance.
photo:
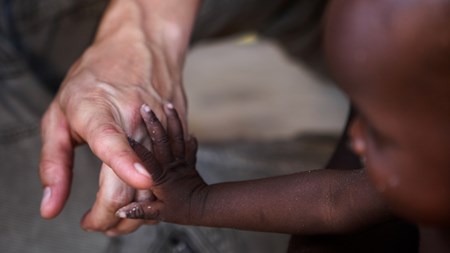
column 247, row 88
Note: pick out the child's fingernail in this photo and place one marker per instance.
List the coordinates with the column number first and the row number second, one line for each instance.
column 169, row 106
column 141, row 170
column 146, row 108
column 46, row 196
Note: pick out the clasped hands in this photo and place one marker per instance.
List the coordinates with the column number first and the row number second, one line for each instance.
column 98, row 104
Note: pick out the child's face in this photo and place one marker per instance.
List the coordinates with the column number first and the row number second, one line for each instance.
column 408, row 164
column 394, row 64
column 403, row 134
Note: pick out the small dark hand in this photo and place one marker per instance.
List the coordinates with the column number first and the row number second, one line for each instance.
column 177, row 187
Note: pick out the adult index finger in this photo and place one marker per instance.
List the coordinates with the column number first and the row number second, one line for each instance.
column 109, row 143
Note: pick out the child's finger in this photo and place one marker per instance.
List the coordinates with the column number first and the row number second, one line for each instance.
column 175, row 132
column 147, row 210
column 191, row 151
column 160, row 140
column 150, row 162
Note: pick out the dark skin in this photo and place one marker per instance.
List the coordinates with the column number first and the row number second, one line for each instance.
column 313, row 202
column 392, row 58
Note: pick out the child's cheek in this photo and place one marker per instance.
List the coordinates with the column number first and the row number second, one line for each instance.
column 384, row 169
column 412, row 193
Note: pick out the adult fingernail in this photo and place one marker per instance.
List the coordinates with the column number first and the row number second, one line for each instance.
column 46, row 196
column 141, row 170
column 169, row 109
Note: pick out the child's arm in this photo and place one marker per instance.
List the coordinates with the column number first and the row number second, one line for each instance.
column 330, row 201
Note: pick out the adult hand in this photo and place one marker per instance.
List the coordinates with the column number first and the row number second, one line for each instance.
column 98, row 104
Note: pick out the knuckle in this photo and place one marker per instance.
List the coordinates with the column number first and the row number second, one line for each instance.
column 47, row 168
column 49, row 171
column 47, row 165
column 103, row 130
column 178, row 137
column 160, row 139
column 97, row 225
column 112, row 200
column 99, row 138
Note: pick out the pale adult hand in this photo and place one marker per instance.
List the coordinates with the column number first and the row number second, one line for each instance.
column 98, row 104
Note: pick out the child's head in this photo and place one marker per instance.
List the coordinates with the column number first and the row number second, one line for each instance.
column 392, row 58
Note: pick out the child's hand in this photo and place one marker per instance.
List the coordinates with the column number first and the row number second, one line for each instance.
column 177, row 187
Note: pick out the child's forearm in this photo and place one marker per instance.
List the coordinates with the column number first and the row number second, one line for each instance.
column 323, row 201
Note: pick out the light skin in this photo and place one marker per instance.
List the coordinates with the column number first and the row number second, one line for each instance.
column 136, row 57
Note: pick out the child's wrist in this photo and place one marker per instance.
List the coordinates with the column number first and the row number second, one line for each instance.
column 197, row 205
